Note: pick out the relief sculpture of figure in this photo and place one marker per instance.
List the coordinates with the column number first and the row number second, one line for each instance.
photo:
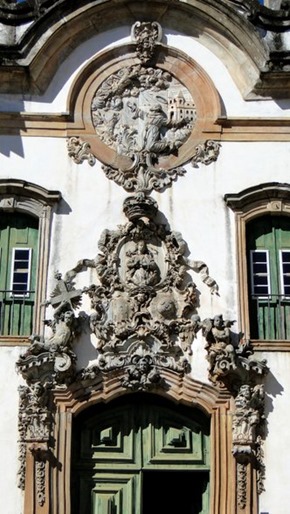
column 141, row 266
column 154, row 121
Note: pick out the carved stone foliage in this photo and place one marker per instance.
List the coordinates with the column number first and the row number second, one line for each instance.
column 206, row 153
column 231, row 360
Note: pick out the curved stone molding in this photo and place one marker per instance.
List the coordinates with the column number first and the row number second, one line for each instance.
column 225, row 22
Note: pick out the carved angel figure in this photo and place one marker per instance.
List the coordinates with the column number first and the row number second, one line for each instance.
column 59, row 341
column 219, row 345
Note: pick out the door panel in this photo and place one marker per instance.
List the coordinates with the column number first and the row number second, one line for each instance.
column 172, row 442
column 120, row 454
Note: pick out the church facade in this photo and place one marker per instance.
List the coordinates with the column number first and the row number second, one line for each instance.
column 144, row 256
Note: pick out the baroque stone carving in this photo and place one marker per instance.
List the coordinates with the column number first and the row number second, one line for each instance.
column 34, row 425
column 144, row 306
column 146, row 35
column 230, row 358
column 143, row 113
column 80, row 151
column 232, row 365
column 48, row 362
column 206, row 153
column 248, row 425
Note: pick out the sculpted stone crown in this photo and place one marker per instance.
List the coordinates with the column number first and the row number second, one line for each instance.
column 139, row 206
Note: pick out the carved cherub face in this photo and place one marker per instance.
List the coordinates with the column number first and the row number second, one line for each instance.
column 68, row 317
column 218, row 321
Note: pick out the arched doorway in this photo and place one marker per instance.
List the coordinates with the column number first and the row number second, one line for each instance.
column 140, row 455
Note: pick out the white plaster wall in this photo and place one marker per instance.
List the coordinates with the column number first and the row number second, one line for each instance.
column 276, row 497
column 11, row 498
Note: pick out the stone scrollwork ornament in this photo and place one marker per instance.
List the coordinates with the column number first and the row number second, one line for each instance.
column 206, row 153
column 248, row 428
column 80, row 151
column 233, row 365
column 144, row 114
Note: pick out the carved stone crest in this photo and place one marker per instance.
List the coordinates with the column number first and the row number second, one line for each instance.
column 146, row 35
column 143, row 300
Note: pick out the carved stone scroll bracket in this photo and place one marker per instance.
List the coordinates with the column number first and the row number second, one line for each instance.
column 143, row 177
column 201, row 268
column 146, row 35
column 206, row 153
column 80, row 151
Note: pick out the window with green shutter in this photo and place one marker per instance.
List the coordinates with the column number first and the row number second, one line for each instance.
column 268, row 253
column 18, row 262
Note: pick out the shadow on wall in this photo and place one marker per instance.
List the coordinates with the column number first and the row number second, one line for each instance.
column 12, row 144
column 273, row 388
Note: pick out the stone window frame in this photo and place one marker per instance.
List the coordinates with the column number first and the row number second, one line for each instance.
column 34, row 200
column 253, row 202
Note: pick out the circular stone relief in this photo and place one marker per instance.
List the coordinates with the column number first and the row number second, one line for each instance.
column 143, row 110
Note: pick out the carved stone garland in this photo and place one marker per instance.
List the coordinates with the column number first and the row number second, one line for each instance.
column 144, row 114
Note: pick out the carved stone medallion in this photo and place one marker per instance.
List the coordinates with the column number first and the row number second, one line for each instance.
column 146, row 111
column 143, row 110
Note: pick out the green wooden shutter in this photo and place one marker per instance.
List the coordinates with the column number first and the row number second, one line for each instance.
column 268, row 239
column 18, row 240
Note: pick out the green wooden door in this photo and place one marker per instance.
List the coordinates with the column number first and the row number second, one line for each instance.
column 268, row 242
column 122, row 454
column 18, row 259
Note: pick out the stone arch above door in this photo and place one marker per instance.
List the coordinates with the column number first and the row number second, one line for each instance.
column 215, row 404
